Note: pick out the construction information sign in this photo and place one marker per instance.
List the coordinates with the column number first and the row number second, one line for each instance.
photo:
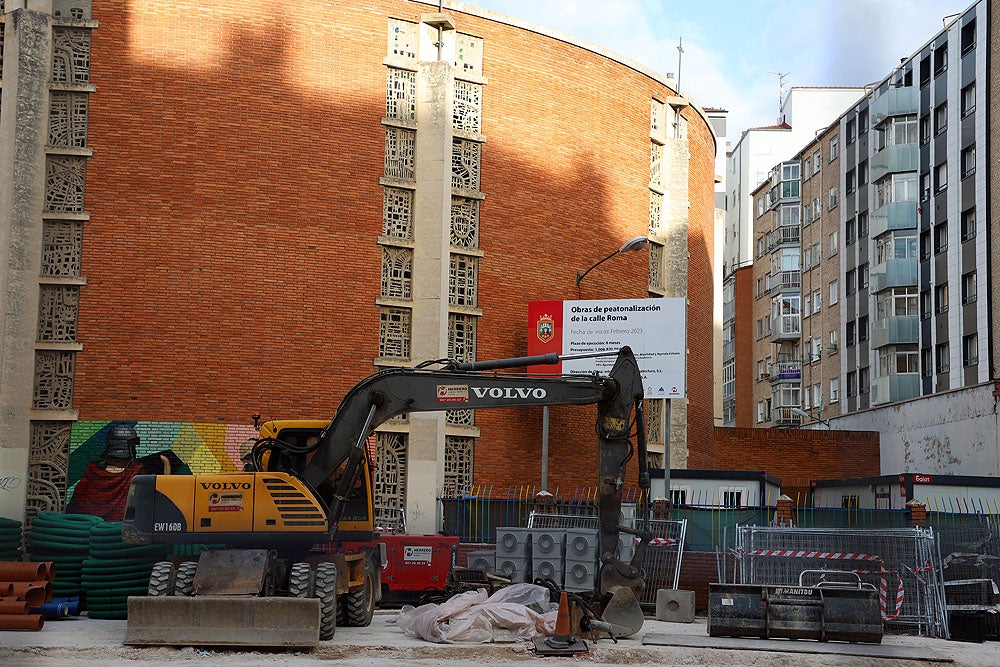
column 655, row 329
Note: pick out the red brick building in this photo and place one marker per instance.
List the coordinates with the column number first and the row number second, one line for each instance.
column 281, row 199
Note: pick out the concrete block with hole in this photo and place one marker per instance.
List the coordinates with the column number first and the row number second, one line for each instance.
column 674, row 606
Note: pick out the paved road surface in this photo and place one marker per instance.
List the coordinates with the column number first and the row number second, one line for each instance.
column 81, row 641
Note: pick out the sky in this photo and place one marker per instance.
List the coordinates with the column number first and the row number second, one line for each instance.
column 734, row 50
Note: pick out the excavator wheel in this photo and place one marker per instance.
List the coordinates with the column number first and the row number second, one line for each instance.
column 161, row 579
column 184, row 579
column 325, row 589
column 300, row 581
column 361, row 603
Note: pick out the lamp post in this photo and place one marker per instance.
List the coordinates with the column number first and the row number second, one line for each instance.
column 802, row 413
column 635, row 243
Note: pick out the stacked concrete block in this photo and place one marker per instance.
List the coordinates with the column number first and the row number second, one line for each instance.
column 547, row 560
column 513, row 555
column 581, row 558
column 484, row 559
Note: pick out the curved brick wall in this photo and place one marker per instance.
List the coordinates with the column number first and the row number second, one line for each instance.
column 231, row 255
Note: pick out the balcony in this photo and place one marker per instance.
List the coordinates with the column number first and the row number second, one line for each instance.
column 894, row 215
column 786, row 327
column 895, row 330
column 895, row 387
column 893, row 273
column 784, row 417
column 894, row 159
column 784, row 371
column 894, row 102
column 785, row 280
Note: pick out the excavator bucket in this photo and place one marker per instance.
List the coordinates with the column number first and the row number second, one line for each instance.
column 623, row 612
column 223, row 621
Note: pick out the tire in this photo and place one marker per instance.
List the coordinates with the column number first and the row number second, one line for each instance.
column 161, row 579
column 184, row 579
column 361, row 603
column 300, row 581
column 325, row 589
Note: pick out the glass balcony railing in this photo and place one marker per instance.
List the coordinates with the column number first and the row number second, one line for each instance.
column 900, row 101
column 894, row 330
column 893, row 273
column 895, row 387
column 893, row 160
column 894, row 215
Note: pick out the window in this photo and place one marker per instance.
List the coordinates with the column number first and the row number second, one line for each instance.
column 895, row 188
column 834, row 292
column 942, row 362
column 849, row 232
column 899, row 131
column 968, row 160
column 731, row 497
column 925, row 245
column 851, row 329
column 806, row 169
column 817, row 211
column 817, row 162
column 817, row 253
column 925, row 304
column 941, row 298
column 940, row 118
column 763, row 411
column 940, row 59
column 852, row 131
column 970, row 350
column 850, row 502
column 969, row 287
column 834, row 147
column 863, row 173
column 817, row 300
column 832, row 244
column 897, row 245
column 863, row 121
column 968, row 224
column 833, row 198
column 852, row 384
column 893, row 361
column 863, row 380
column 926, row 362
column 896, row 302
column 925, row 129
column 834, row 390
column 806, row 306
column 941, row 176
column 925, row 187
column 863, row 328
column 816, row 349
column 863, row 276
column 852, row 181
column 968, row 36
column 925, row 70
column 833, row 349
column 940, row 237
column 968, row 99
column 817, row 392
column 851, row 279
column 862, row 225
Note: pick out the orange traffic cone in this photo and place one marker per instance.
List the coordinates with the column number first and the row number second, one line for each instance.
column 561, row 642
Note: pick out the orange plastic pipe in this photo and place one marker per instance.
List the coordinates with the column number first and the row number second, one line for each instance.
column 21, row 621
column 13, row 607
column 5, row 587
column 36, row 593
column 14, row 571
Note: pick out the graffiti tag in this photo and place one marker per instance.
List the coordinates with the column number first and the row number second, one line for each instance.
column 9, row 483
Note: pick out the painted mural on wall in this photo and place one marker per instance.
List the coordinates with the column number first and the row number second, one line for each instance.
column 106, row 455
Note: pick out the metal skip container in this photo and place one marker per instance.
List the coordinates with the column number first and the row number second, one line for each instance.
column 825, row 612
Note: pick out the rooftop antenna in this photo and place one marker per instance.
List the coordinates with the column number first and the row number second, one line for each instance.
column 680, row 56
column 781, row 90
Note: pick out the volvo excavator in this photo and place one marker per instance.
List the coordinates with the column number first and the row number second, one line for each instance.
column 269, row 587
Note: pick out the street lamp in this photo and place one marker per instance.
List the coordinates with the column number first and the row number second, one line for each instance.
column 802, row 413
column 635, row 243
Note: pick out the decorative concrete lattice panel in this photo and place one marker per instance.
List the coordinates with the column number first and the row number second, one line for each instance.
column 397, row 273
column 48, row 462
column 62, row 248
column 1, row 38
column 461, row 337
column 467, row 113
column 656, row 266
column 68, row 119
column 655, row 212
column 397, row 213
column 58, row 310
column 654, row 420
column 464, row 222
column 54, row 379
column 394, row 333
column 399, row 150
column 461, row 417
column 458, row 452
column 401, row 94
column 76, row 10
column 402, row 42
column 656, row 164
column 390, row 478
column 465, row 163
column 70, row 55
column 657, row 118
column 463, row 280
column 65, row 178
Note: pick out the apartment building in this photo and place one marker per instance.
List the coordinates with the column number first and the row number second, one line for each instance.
column 874, row 280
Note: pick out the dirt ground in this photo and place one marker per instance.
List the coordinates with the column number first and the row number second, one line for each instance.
column 82, row 641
